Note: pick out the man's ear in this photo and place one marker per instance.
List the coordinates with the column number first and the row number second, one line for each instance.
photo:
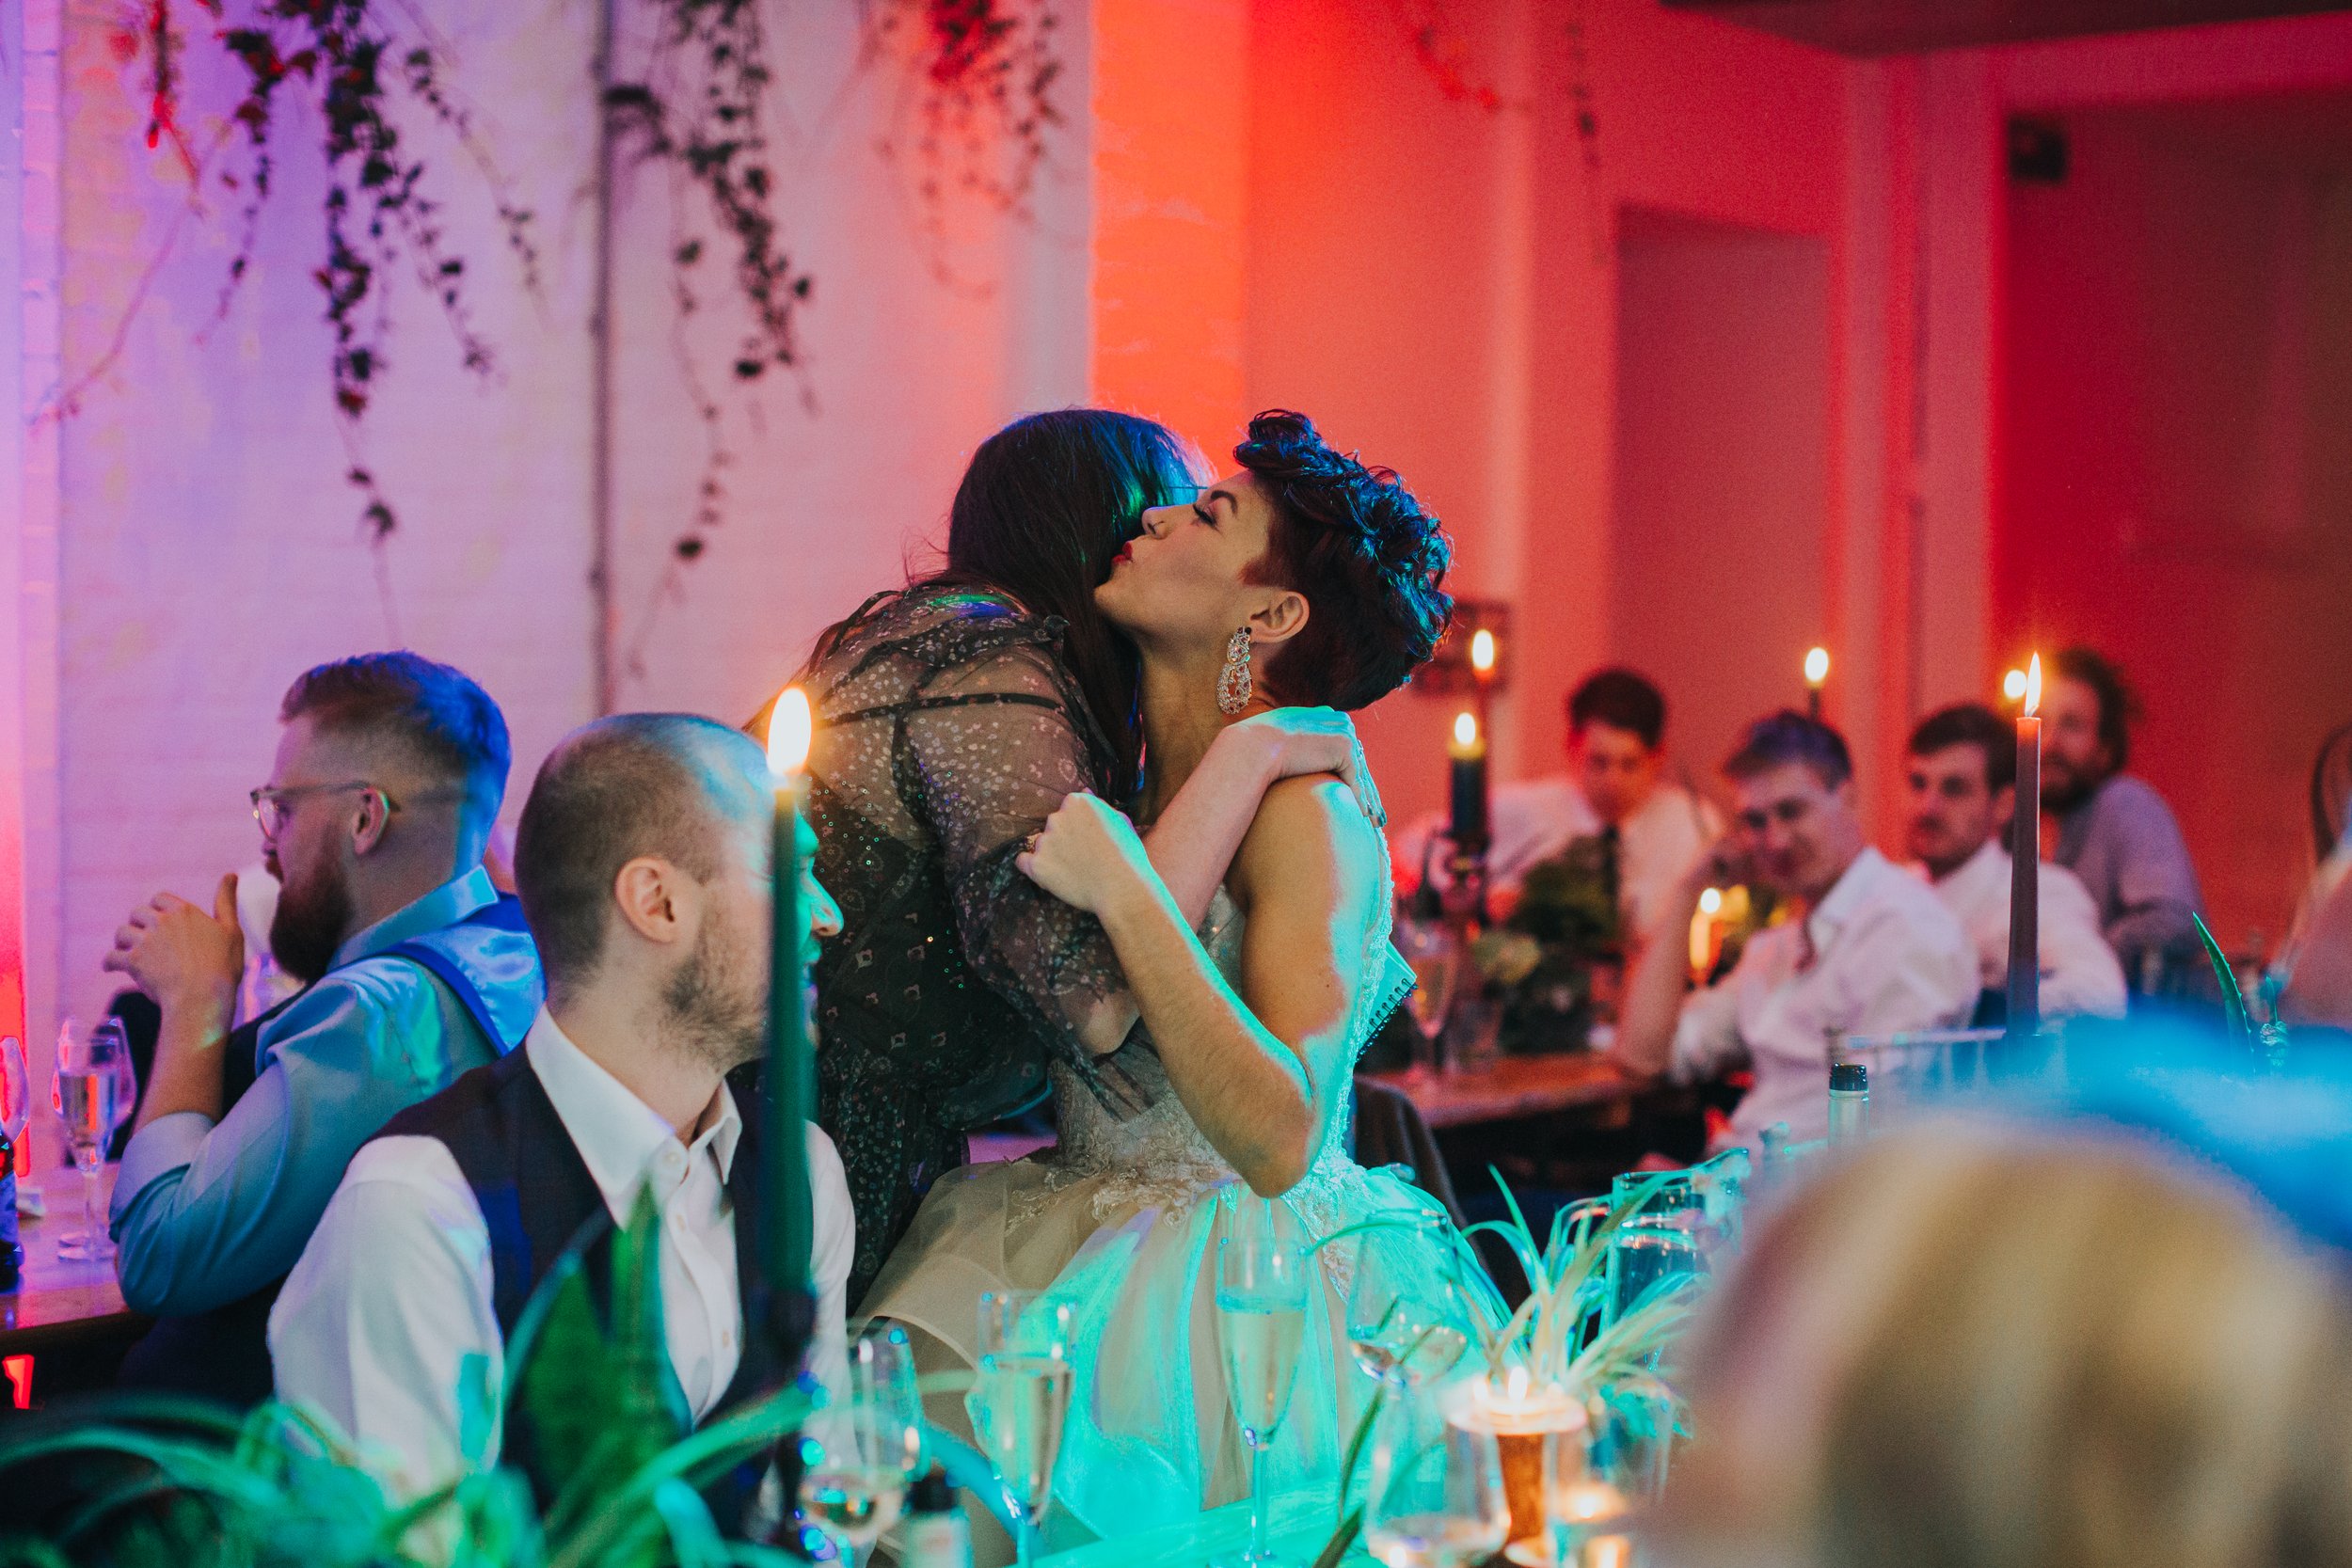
column 1283, row 617
column 370, row 820
column 656, row 899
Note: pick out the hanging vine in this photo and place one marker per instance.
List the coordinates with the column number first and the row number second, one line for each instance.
column 978, row 106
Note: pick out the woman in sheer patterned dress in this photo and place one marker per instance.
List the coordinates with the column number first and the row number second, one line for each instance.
column 953, row 716
column 1304, row 577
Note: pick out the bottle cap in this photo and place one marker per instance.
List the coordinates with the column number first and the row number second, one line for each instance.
column 1848, row 1078
column 931, row 1493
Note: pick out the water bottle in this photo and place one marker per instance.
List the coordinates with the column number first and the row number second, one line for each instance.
column 1849, row 1101
column 936, row 1533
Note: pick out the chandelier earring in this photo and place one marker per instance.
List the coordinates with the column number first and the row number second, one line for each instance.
column 1234, row 686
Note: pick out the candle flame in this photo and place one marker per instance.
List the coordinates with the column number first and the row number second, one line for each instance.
column 1515, row 1387
column 2014, row 685
column 790, row 727
column 2033, row 685
column 1466, row 729
column 1711, row 901
column 1483, row 651
column 1816, row 665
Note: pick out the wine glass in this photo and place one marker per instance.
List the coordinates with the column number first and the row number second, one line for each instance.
column 86, row 1091
column 1399, row 1335
column 1436, row 1498
column 867, row 1442
column 1261, row 1322
column 1020, row 1401
column 1434, row 952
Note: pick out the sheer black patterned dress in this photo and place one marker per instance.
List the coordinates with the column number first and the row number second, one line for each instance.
column 947, row 731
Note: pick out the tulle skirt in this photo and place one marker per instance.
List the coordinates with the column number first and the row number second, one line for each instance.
column 1151, row 1438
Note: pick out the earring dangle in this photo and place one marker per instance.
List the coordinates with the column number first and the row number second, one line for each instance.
column 1234, row 686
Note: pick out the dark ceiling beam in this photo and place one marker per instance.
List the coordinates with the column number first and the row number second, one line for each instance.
column 1911, row 27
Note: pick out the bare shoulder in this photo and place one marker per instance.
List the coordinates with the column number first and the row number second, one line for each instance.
column 1310, row 834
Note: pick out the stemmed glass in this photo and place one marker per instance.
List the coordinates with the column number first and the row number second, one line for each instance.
column 85, row 1089
column 1020, row 1401
column 1431, row 946
column 868, row 1442
column 1436, row 1498
column 1399, row 1335
column 1261, row 1322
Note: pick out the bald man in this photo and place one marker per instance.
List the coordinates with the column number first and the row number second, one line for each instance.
column 643, row 865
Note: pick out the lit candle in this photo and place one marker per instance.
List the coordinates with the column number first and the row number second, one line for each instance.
column 2024, row 885
column 1468, row 751
column 1483, row 654
column 1587, row 1519
column 1703, row 932
column 790, row 1222
column 1815, row 675
column 1521, row 1413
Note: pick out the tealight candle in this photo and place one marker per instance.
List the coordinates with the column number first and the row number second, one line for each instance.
column 1522, row 1415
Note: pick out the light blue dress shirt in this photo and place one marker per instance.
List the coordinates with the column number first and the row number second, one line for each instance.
column 206, row 1213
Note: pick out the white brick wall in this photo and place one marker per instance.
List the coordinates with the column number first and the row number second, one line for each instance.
column 208, row 551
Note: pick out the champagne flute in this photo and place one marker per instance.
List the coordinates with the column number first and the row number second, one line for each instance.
column 868, row 1441
column 1436, row 955
column 1436, row 1498
column 85, row 1090
column 1020, row 1401
column 1261, row 1320
column 1399, row 1337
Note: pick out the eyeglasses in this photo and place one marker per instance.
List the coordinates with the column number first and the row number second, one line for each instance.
column 271, row 805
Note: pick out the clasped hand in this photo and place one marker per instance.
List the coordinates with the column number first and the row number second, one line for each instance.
column 183, row 957
column 1086, row 855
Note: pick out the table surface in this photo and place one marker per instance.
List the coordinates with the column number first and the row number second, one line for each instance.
column 1298, row 1529
column 1514, row 1086
column 60, row 1300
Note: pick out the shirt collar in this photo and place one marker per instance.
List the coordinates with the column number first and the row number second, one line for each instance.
column 1837, row 906
column 618, row 1136
column 1988, row 856
column 446, row 905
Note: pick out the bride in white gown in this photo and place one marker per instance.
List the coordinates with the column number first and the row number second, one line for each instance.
column 1304, row 578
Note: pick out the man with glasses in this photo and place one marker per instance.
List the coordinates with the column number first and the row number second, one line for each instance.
column 390, row 773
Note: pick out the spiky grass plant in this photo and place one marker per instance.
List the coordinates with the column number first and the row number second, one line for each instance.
column 176, row 1484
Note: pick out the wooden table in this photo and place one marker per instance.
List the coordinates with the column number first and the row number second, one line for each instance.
column 1514, row 1086
column 62, row 1304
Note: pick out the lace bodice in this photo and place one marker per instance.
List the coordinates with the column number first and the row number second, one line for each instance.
column 1158, row 1155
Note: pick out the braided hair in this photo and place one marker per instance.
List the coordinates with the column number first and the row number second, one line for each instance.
column 1370, row 559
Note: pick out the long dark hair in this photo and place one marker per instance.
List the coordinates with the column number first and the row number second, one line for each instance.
column 1044, row 505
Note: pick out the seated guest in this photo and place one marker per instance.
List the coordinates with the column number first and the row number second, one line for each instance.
column 1962, row 775
column 1651, row 831
column 2114, row 831
column 389, row 774
column 643, row 861
column 1868, row 949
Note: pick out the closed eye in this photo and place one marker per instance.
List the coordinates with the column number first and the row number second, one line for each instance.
column 1203, row 513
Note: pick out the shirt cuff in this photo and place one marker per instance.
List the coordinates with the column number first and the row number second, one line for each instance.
column 163, row 1145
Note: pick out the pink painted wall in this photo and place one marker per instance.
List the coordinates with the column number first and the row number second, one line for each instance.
column 2177, row 473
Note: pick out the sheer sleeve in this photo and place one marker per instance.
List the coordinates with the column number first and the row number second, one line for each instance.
column 991, row 747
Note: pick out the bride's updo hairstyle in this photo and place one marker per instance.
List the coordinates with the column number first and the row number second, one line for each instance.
column 1369, row 558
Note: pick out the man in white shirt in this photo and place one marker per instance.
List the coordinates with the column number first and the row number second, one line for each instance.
column 1868, row 949
column 644, row 867
column 1613, row 791
column 1961, row 769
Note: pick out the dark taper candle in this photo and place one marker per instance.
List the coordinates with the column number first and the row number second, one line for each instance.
column 1467, row 825
column 789, row 1222
column 2024, row 887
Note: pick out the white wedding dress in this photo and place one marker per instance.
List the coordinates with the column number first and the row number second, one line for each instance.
column 1120, row 1222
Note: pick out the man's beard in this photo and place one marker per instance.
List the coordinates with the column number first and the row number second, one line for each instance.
column 314, row 917
column 712, row 1012
column 2063, row 789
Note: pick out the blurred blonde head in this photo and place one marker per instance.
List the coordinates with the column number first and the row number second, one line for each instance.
column 1967, row 1348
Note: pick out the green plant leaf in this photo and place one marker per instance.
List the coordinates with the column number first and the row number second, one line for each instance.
column 2233, row 1014
column 1335, row 1549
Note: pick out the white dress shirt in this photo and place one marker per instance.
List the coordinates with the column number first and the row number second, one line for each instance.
column 2080, row 976
column 390, row 1311
column 1886, row 956
column 1532, row 819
